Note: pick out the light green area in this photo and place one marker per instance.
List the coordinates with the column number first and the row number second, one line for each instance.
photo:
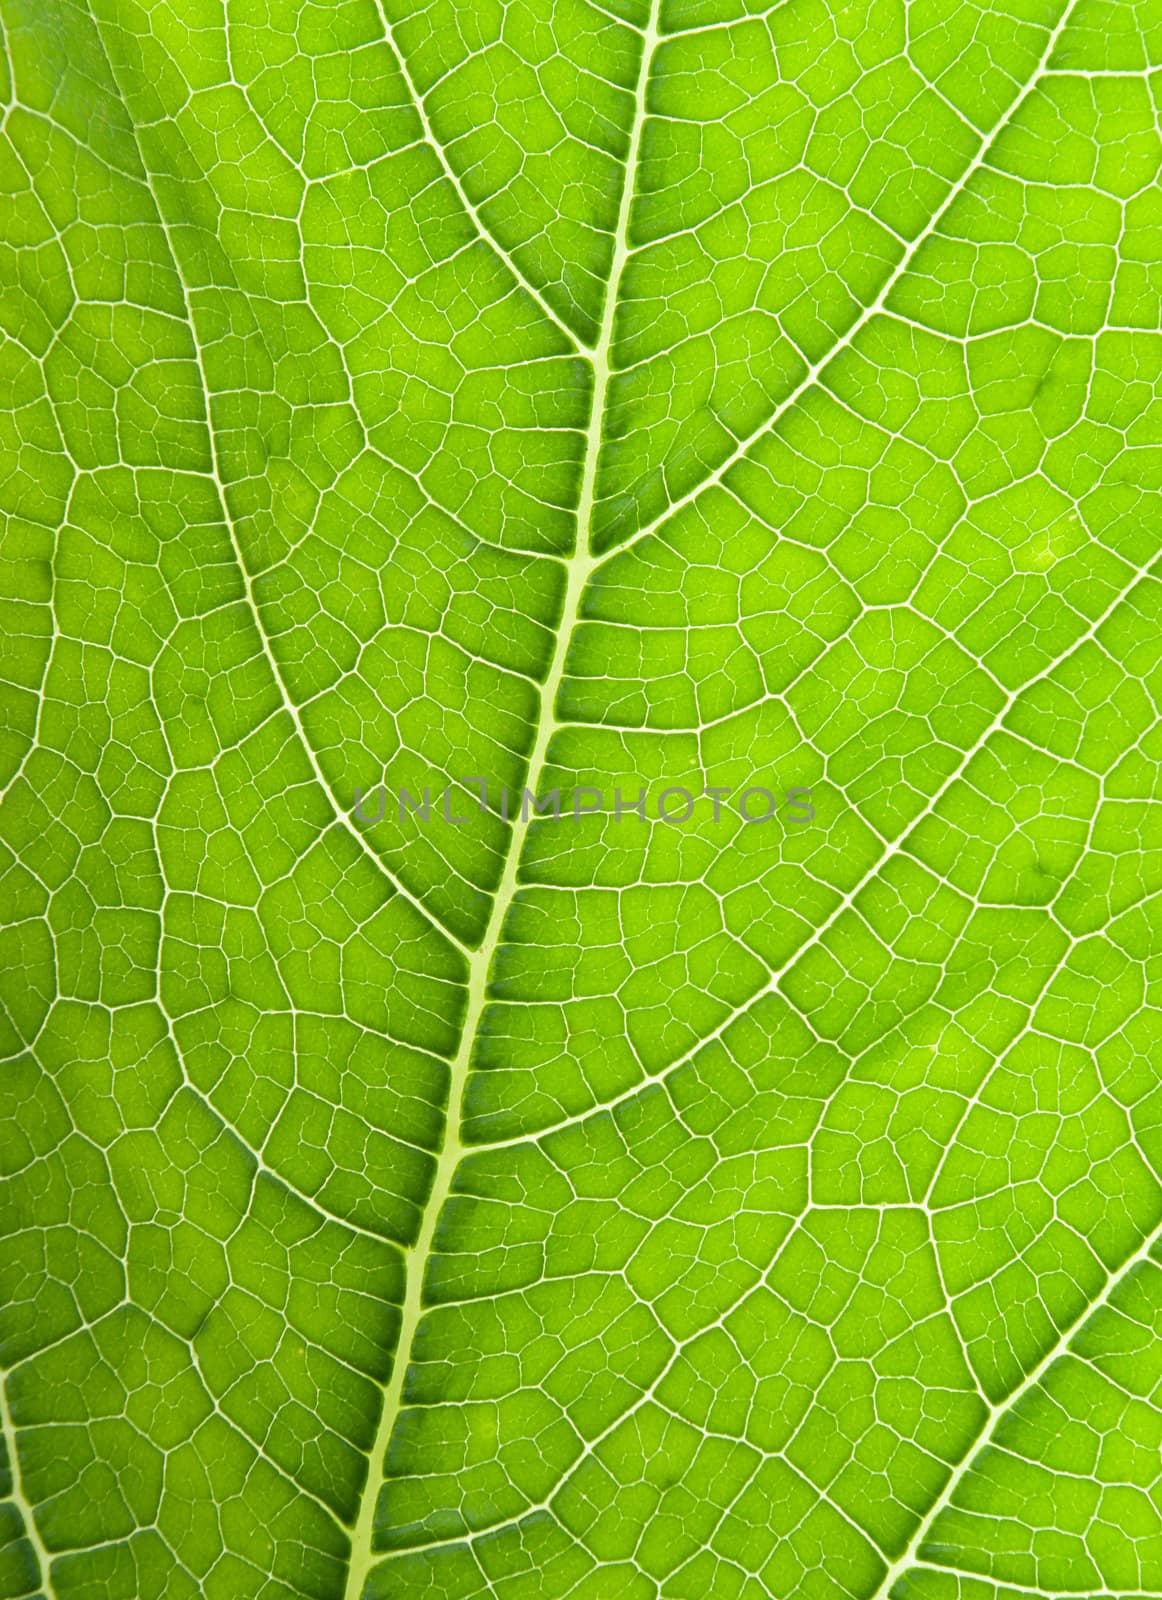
column 617, row 395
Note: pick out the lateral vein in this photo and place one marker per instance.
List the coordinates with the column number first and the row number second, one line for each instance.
column 879, row 305
column 472, row 210
column 1004, row 1408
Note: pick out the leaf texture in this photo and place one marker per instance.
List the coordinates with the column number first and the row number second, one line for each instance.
column 599, row 398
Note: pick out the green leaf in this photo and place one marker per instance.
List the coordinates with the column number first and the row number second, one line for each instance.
column 600, row 401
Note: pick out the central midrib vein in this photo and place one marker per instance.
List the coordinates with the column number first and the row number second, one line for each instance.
column 580, row 566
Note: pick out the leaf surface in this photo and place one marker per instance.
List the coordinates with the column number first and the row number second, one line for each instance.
column 616, row 400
